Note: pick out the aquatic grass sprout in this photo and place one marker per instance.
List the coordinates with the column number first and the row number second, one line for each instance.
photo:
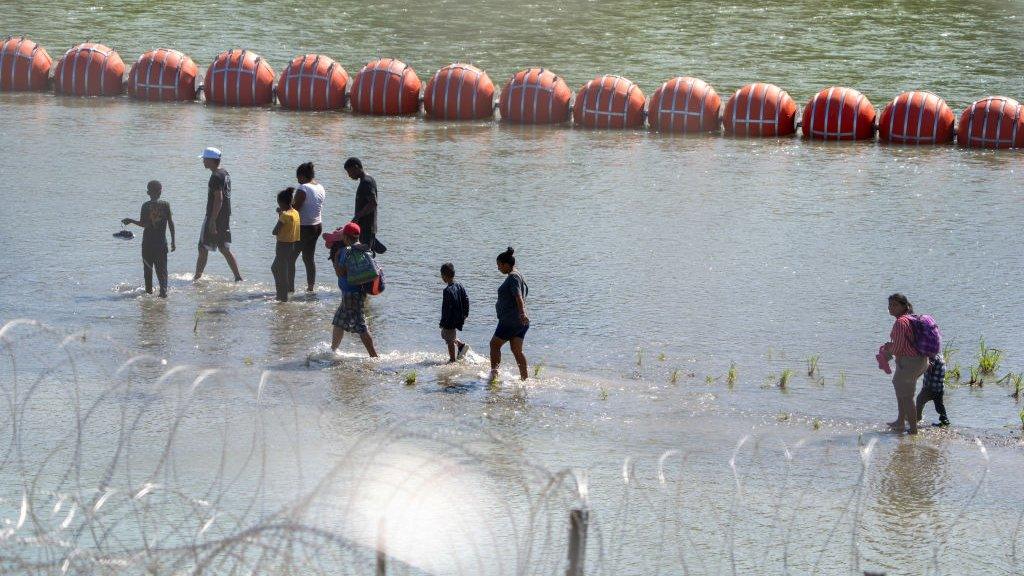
column 784, row 379
column 732, row 375
column 953, row 376
column 976, row 378
column 410, row 378
column 841, row 382
column 538, row 368
column 674, row 377
column 812, row 364
column 988, row 358
column 948, row 351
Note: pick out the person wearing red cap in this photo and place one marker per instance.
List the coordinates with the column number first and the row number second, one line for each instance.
column 349, row 317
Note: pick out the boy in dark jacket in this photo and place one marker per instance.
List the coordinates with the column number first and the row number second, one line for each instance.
column 454, row 311
column 933, row 390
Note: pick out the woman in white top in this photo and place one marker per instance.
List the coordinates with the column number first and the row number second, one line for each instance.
column 309, row 201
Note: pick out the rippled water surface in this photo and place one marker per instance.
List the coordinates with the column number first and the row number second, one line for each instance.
column 655, row 263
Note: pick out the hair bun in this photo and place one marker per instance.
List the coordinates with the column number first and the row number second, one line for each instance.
column 510, row 251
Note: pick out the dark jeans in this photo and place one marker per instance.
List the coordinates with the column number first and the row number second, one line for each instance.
column 154, row 257
column 283, row 268
column 924, row 396
column 308, row 236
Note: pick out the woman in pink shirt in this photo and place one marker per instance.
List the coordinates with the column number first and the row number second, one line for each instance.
column 909, row 364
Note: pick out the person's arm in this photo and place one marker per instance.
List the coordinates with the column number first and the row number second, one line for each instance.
column 465, row 304
column 338, row 268
column 446, row 306
column 371, row 203
column 139, row 222
column 170, row 226
column 521, row 304
column 218, row 202
column 280, row 222
column 299, row 199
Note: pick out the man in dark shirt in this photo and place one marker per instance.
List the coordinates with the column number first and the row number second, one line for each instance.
column 366, row 203
column 216, row 233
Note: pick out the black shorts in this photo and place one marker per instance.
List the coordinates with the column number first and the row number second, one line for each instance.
column 509, row 331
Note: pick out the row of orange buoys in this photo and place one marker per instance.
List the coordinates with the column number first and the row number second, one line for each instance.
column 387, row 86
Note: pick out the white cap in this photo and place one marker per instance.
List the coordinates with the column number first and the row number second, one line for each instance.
column 211, row 153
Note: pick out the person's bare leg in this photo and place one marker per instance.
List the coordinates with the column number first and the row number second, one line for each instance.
column 200, row 263
column 910, row 412
column 336, row 336
column 516, row 344
column 232, row 263
column 496, row 344
column 451, row 351
column 368, row 342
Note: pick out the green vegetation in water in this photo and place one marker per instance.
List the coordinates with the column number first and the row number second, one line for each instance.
column 674, row 378
column 730, row 377
column 816, row 424
column 493, row 383
column 783, row 416
column 247, row 360
column 1022, row 419
column 661, row 357
column 812, row 364
column 709, row 380
column 195, row 327
column 842, row 379
column 988, row 358
column 953, row 376
column 538, row 368
column 604, row 394
column 975, row 378
column 1016, row 381
column 948, row 352
column 768, row 354
column 784, row 378
column 410, row 378
column 639, row 357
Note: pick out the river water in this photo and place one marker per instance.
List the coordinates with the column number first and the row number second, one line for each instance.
column 654, row 263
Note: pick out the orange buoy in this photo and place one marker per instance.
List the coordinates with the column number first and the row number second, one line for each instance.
column 312, row 82
column 89, row 69
column 684, row 104
column 163, row 74
column 535, row 96
column 386, row 87
column 993, row 122
column 917, row 117
column 760, row 110
column 839, row 113
column 609, row 102
column 24, row 65
column 459, row 92
column 239, row 78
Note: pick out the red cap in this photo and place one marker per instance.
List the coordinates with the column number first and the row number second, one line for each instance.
column 351, row 229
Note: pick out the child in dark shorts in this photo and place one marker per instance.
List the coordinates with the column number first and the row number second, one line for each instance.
column 454, row 311
column 155, row 219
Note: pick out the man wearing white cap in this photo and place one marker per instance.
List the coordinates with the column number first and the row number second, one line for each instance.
column 216, row 233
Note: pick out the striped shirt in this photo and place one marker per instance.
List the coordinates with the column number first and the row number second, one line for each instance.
column 901, row 339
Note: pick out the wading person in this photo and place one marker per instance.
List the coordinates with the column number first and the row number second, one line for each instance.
column 287, row 232
column 366, row 203
column 309, row 201
column 350, row 317
column 909, row 364
column 513, row 322
column 216, row 233
column 454, row 311
column 155, row 219
column 933, row 390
